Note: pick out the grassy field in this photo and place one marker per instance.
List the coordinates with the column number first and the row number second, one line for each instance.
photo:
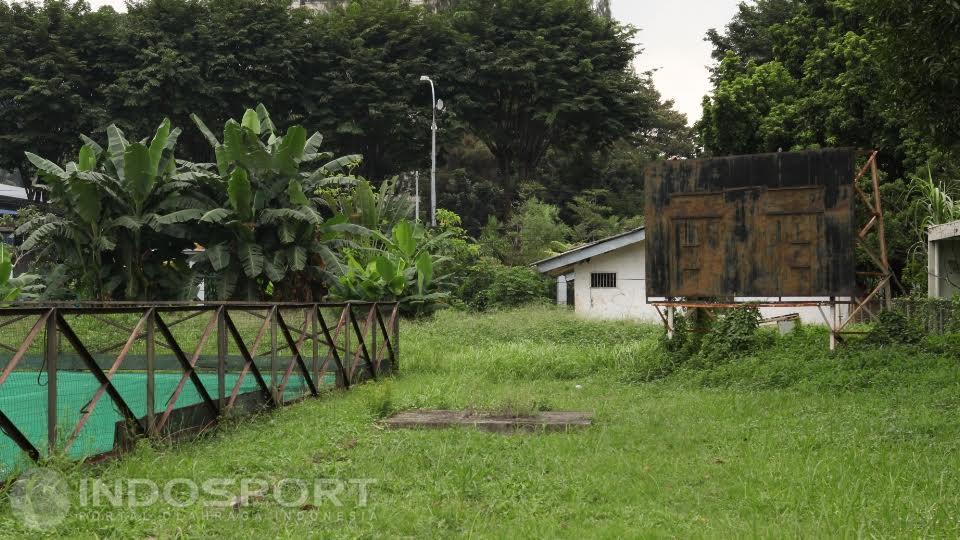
column 791, row 441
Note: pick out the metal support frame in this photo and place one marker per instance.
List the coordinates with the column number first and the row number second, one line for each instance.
column 362, row 349
column 295, row 348
column 834, row 321
column 377, row 346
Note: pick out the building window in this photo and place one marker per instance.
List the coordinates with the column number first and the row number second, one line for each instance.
column 603, row 280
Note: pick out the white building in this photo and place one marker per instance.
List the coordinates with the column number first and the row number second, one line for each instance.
column 943, row 260
column 609, row 282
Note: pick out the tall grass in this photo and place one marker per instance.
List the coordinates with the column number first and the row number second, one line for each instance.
column 932, row 204
column 789, row 440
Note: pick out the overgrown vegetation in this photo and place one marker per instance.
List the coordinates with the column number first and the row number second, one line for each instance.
column 268, row 220
column 698, row 453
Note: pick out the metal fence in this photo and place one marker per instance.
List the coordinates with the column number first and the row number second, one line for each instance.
column 933, row 315
column 88, row 379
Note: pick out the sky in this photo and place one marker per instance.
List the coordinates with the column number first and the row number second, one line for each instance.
column 671, row 35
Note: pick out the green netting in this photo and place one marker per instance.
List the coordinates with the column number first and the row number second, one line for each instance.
column 24, row 400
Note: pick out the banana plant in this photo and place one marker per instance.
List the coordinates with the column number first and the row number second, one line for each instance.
column 8, row 292
column 402, row 270
column 22, row 287
column 105, row 234
column 263, row 232
column 379, row 209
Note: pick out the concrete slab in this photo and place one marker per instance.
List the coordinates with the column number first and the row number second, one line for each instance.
column 545, row 421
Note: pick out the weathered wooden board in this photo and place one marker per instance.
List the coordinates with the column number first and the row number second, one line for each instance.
column 764, row 225
column 546, row 421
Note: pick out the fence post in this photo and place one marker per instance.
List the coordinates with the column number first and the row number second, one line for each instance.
column 347, row 357
column 374, row 329
column 52, row 355
column 151, row 371
column 833, row 324
column 273, row 357
column 395, row 366
column 222, row 356
column 315, row 324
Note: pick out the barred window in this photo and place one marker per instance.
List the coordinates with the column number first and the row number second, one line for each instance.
column 603, row 280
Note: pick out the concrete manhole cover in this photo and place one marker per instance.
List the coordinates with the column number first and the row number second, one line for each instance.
column 546, row 421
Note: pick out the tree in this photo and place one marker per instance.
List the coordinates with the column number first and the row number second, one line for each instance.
column 107, row 238
column 260, row 228
column 55, row 57
column 744, row 98
column 800, row 74
column 919, row 47
column 214, row 56
column 362, row 81
column 538, row 74
column 602, row 8
column 534, row 231
column 751, row 35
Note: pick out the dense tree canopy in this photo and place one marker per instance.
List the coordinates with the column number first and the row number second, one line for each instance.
column 918, row 43
column 539, row 91
column 56, row 59
column 536, row 75
column 794, row 74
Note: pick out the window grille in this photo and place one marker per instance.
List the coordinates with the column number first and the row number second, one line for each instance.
column 603, row 280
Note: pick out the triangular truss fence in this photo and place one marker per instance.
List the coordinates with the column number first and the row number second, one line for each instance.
column 88, row 379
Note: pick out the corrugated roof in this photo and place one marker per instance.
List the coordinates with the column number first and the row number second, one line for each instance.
column 586, row 251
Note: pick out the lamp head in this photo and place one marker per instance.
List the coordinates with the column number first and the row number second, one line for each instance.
column 424, row 78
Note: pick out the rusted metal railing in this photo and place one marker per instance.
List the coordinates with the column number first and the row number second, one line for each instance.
column 134, row 353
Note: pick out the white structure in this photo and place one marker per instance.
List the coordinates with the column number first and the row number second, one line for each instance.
column 943, row 260
column 609, row 279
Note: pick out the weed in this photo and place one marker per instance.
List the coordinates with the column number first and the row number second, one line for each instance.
column 733, row 334
column 378, row 398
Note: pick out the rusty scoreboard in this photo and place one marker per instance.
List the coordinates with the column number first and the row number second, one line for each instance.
column 764, row 225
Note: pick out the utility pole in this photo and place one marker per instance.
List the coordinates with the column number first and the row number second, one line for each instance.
column 433, row 152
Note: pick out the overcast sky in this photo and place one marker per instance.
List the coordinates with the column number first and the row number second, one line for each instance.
column 671, row 35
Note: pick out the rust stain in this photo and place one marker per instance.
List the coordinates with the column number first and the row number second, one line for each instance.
column 765, row 225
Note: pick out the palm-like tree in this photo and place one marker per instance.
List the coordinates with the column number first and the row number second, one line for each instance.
column 262, row 222
column 104, row 233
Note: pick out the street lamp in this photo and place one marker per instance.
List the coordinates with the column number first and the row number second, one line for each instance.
column 433, row 153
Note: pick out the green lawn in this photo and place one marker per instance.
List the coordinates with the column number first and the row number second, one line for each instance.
column 792, row 441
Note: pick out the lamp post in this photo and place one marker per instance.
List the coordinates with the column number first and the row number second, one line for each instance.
column 416, row 179
column 433, row 152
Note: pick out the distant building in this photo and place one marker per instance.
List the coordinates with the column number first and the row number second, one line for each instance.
column 943, row 260
column 12, row 199
column 607, row 280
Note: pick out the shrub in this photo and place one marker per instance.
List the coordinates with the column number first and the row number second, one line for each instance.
column 946, row 344
column 733, row 334
column 689, row 328
column 893, row 328
column 491, row 285
column 475, row 280
column 515, row 286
